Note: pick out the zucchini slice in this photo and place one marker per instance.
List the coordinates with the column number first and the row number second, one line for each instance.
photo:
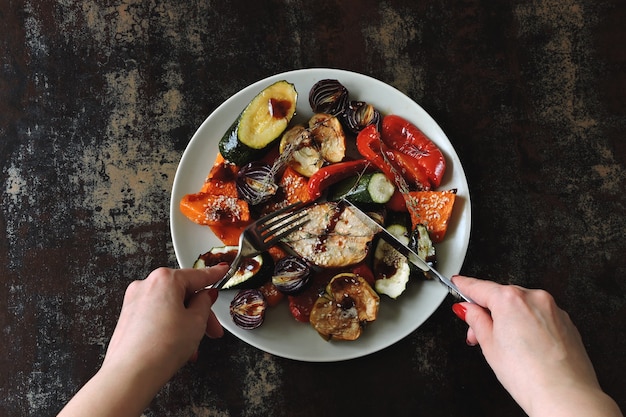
column 263, row 120
column 373, row 187
column 252, row 273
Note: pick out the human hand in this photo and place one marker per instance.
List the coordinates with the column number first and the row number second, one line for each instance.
column 163, row 319
column 160, row 326
column 534, row 349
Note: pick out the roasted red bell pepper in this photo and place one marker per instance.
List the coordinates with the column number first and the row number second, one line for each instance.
column 370, row 146
column 408, row 168
column 331, row 174
column 403, row 136
column 391, row 162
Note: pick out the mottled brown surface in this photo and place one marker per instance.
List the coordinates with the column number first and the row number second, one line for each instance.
column 98, row 100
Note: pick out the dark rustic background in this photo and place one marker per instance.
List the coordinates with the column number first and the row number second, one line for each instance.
column 98, row 100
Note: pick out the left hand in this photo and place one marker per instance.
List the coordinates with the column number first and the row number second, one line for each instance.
column 163, row 320
column 159, row 329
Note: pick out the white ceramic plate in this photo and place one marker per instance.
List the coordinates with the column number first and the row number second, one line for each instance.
column 280, row 334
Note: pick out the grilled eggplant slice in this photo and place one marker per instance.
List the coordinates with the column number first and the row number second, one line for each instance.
column 263, row 120
column 347, row 304
column 252, row 273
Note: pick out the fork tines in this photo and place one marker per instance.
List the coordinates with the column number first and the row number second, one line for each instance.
column 279, row 226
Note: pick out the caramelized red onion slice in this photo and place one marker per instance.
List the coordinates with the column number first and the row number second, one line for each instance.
column 247, row 309
column 359, row 114
column 328, row 96
column 291, row 274
column 256, row 182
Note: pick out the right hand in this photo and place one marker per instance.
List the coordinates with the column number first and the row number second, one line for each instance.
column 534, row 349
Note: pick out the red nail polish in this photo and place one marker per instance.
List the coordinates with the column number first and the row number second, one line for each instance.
column 460, row 310
column 223, row 264
column 213, row 292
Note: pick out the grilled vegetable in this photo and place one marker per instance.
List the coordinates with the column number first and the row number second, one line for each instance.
column 307, row 149
column 256, row 183
column 347, row 304
column 247, row 309
column 291, row 274
column 420, row 242
column 358, row 115
column 214, row 210
column 331, row 174
column 328, row 96
column 263, row 120
column 405, row 137
column 329, row 136
column 374, row 187
column 252, row 273
column 432, row 209
column 391, row 269
column 333, row 237
column 301, row 150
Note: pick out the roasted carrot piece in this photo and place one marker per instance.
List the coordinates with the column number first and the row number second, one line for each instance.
column 432, row 209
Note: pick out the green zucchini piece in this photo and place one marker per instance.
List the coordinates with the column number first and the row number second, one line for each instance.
column 252, row 273
column 263, row 120
column 373, row 187
column 391, row 269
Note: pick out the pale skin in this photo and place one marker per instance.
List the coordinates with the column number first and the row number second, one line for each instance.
column 534, row 349
column 531, row 344
column 159, row 329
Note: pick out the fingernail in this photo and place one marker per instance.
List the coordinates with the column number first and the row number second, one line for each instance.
column 213, row 292
column 223, row 264
column 469, row 343
column 460, row 310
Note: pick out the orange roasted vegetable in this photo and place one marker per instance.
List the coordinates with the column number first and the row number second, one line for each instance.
column 432, row 209
column 294, row 186
column 214, row 210
column 217, row 204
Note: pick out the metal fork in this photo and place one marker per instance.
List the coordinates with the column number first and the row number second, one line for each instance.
column 264, row 233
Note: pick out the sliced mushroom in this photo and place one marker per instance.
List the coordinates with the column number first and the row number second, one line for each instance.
column 329, row 136
column 301, row 151
column 347, row 304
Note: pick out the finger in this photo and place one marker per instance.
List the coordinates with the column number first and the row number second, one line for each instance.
column 196, row 279
column 201, row 304
column 470, row 339
column 214, row 329
column 480, row 323
column 483, row 292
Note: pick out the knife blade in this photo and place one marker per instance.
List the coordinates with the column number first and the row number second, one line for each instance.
column 410, row 254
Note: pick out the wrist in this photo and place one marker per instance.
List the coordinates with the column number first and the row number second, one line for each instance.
column 574, row 401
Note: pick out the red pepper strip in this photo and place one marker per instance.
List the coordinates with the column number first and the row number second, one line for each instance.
column 370, row 147
column 405, row 137
column 391, row 162
column 330, row 174
column 409, row 169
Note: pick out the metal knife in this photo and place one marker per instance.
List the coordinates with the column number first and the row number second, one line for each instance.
column 413, row 257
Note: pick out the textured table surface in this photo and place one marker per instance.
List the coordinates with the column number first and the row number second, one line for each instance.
column 98, row 100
